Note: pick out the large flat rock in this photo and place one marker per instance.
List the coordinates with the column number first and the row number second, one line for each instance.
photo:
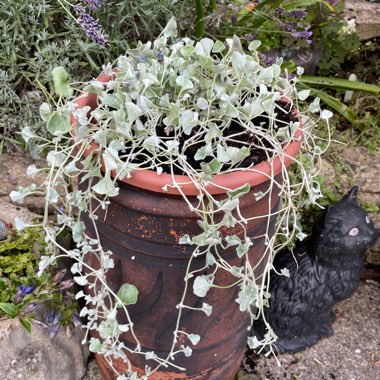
column 367, row 18
column 37, row 357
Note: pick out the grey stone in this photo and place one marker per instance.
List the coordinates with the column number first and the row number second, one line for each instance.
column 367, row 18
column 373, row 254
column 9, row 212
column 13, row 174
column 3, row 230
column 36, row 357
column 13, row 170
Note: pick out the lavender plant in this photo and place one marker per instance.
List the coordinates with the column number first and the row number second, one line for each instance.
column 38, row 35
column 90, row 26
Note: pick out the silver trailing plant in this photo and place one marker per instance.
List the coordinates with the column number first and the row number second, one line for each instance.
column 193, row 91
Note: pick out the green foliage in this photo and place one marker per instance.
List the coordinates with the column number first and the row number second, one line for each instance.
column 128, row 294
column 199, row 22
column 22, row 293
column 369, row 136
column 9, row 309
column 333, row 36
column 333, row 43
column 18, row 261
column 340, row 84
column 367, row 133
column 365, row 64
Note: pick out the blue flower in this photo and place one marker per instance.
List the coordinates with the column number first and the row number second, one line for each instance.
column 22, row 291
column 26, row 289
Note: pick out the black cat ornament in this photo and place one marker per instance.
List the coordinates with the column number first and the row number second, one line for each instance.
column 324, row 269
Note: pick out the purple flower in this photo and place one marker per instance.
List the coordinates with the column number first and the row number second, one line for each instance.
column 269, row 61
column 297, row 14
column 67, row 284
column 30, row 308
column 91, row 27
column 53, row 320
column 280, row 11
column 94, row 4
column 290, row 26
column 60, row 275
column 303, row 35
column 249, row 37
column 22, row 291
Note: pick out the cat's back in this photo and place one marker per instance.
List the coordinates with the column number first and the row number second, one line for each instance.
column 307, row 289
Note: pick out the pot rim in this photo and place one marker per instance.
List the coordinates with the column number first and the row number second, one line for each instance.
column 168, row 183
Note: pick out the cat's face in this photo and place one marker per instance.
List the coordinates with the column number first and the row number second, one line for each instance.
column 350, row 227
column 346, row 228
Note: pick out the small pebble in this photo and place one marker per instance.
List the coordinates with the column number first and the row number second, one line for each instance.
column 3, row 230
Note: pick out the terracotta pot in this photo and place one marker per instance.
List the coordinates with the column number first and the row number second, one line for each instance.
column 142, row 229
column 150, row 180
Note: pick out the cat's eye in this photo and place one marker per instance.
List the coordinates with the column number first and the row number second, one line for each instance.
column 353, row 231
column 367, row 219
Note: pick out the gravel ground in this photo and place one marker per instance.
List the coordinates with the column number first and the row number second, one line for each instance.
column 353, row 353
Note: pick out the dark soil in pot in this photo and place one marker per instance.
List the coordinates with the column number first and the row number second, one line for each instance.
column 236, row 135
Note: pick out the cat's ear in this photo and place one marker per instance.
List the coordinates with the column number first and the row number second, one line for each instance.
column 323, row 218
column 326, row 213
column 351, row 196
column 324, row 223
